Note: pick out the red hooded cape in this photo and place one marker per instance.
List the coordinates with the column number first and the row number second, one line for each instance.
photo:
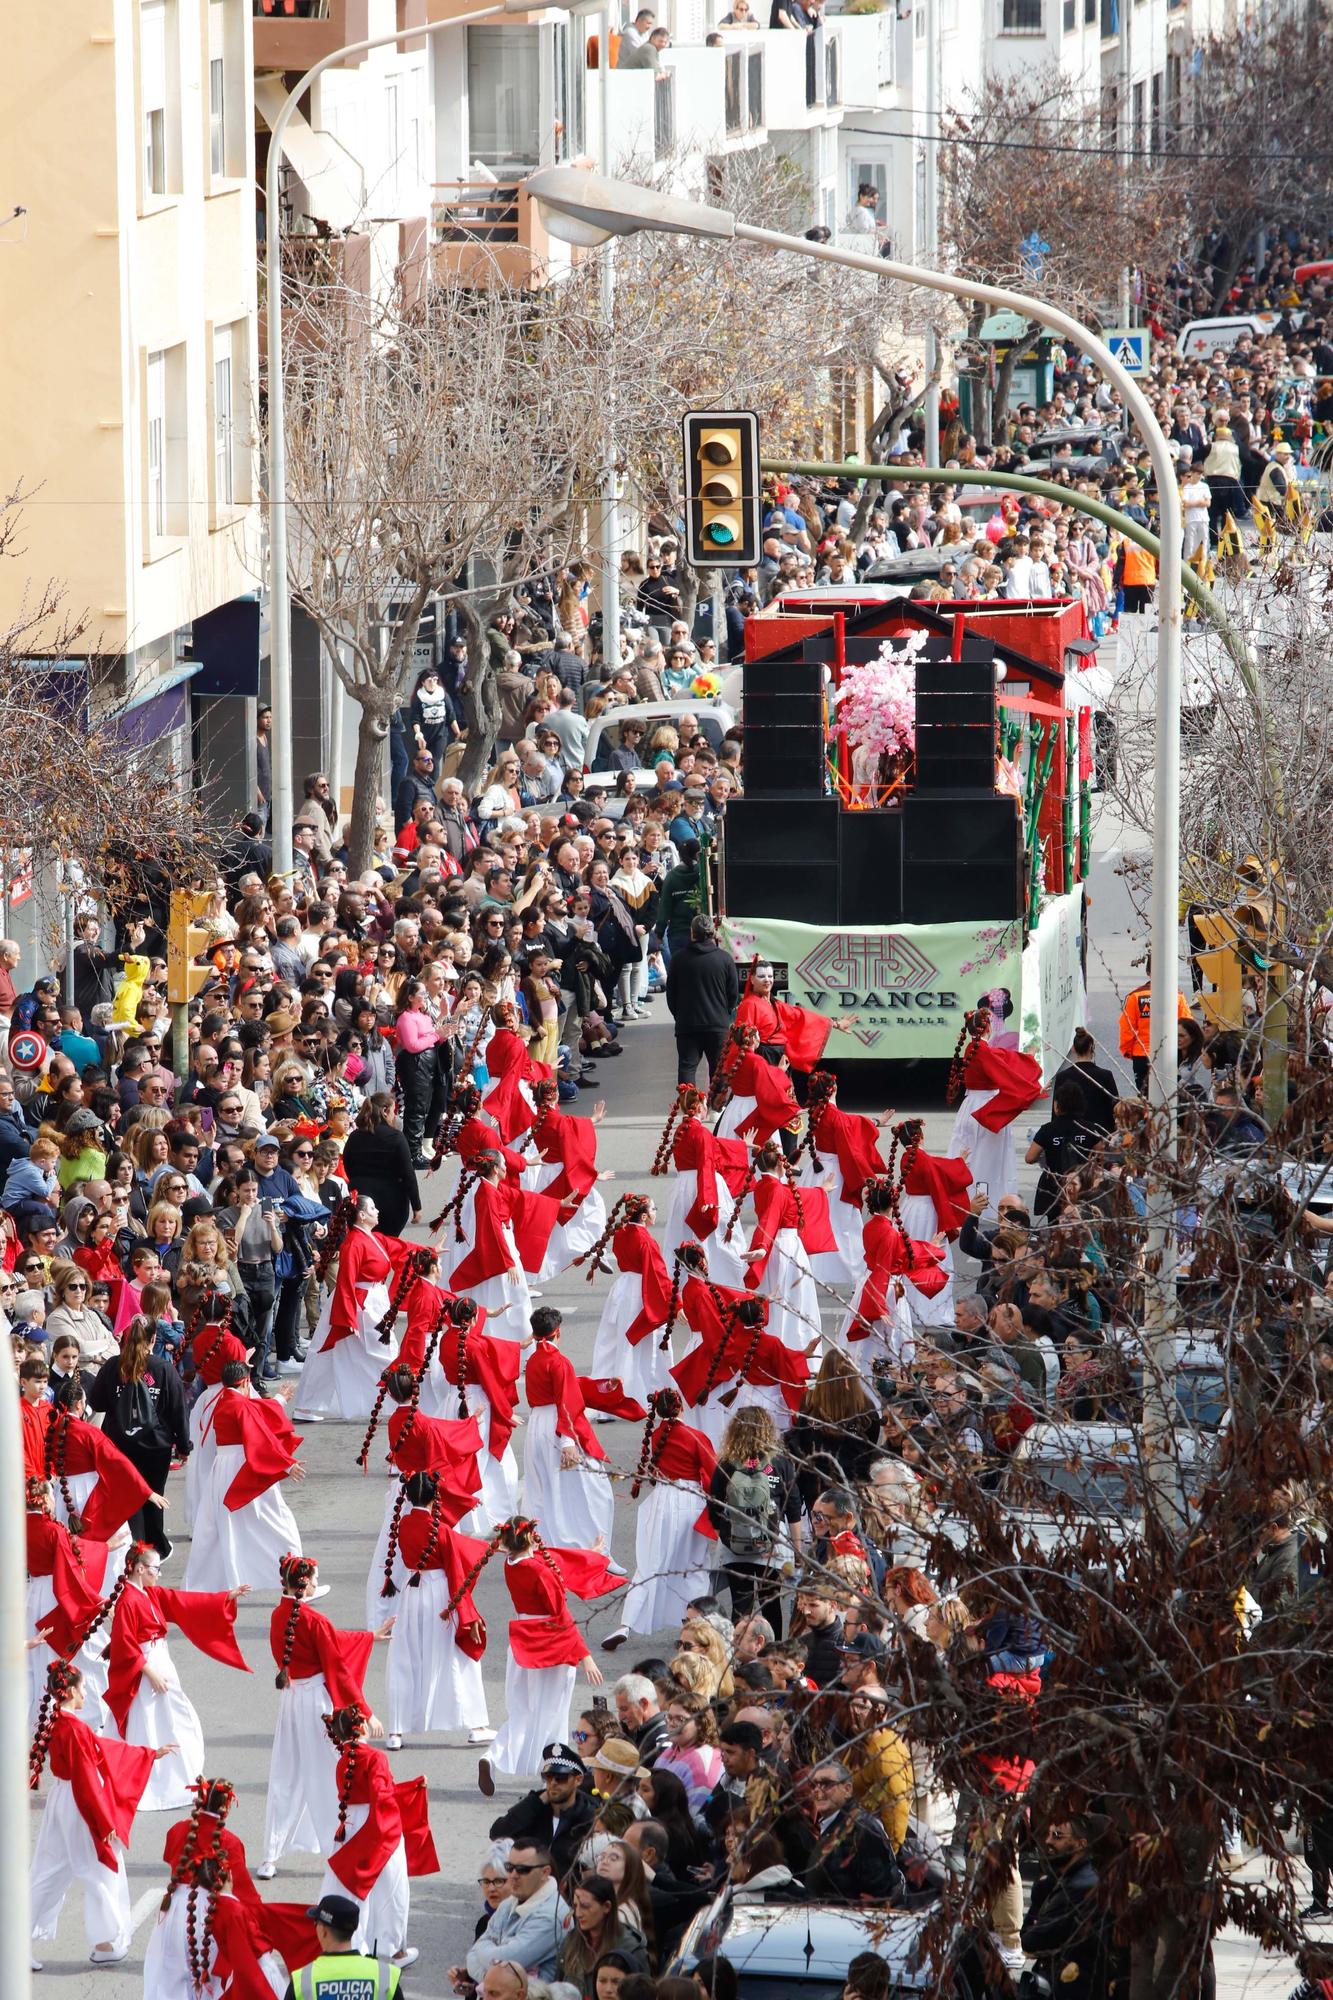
column 206, row 1617
column 1014, row 1077
column 635, row 1248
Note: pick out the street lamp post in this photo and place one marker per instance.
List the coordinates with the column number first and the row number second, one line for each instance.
column 591, row 209
column 280, row 612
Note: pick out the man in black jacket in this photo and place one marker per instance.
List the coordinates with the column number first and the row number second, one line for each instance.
column 853, row 1861
column 823, row 1633
column 559, row 1816
column 1065, row 1927
column 703, row 992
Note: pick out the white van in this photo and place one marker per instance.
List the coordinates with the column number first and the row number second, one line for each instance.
column 1203, row 337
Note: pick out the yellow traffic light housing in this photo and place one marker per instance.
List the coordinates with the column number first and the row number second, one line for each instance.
column 187, row 941
column 722, row 498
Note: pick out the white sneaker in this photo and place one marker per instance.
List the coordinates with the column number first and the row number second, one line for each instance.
column 393, row 1741
column 108, row 1957
column 266, row 1871
column 291, row 1367
column 1011, row 1957
column 615, row 1639
column 305, row 1417
column 481, row 1735
column 407, row 1956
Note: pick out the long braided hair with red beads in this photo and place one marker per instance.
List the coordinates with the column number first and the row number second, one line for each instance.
column 880, row 1197
column 465, row 1103
column 687, row 1103
column 341, row 1220
column 546, row 1095
column 62, row 1677
column 739, row 1044
column 202, row 1318
column 399, row 1371
column 55, row 1443
column 134, row 1555
column 345, row 1727
column 975, row 1028
column 766, row 1159
column 818, row 1097
column 417, row 1265
column 664, row 1407
column 214, row 1796
column 907, row 1136
column 630, row 1208
column 744, row 1312
column 294, row 1573
column 692, row 1258
column 480, row 1168
column 208, row 1876
column 389, row 1588
column 461, row 1314
column 518, row 1536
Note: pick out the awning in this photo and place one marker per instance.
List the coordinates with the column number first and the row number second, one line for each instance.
column 331, row 178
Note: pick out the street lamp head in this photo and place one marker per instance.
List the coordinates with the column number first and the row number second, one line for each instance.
column 587, row 208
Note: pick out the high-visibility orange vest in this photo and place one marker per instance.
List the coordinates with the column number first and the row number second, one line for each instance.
column 1136, row 1023
column 1140, row 567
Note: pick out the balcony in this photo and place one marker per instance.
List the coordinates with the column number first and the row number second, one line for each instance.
column 292, row 34
column 486, row 233
column 744, row 89
column 324, row 277
column 664, row 116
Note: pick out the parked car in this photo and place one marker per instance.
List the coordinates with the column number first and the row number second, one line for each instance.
column 1092, row 444
column 1065, row 1477
column 803, row 1949
column 715, row 720
column 1203, row 338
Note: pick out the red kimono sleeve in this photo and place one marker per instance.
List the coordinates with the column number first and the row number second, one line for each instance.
column 121, row 1488
column 587, row 1572
column 242, row 1940
column 784, row 1367
column 775, row 1209
column 534, row 1217
column 414, row 1817
column 133, row 1628
column 51, row 1553
column 856, row 1141
column 637, row 1249
column 775, row 1102
column 1014, row 1077
column 360, row 1860
column 948, row 1184
column 425, row 1302
column 263, row 1427
column 806, row 1032
column 692, row 1151
column 550, row 1379
column 353, row 1255
column 607, row 1394
column 208, row 1620
column 572, row 1142
column 343, row 1660
column 458, row 1555
column 497, row 1364
column 490, row 1255
column 108, row 1778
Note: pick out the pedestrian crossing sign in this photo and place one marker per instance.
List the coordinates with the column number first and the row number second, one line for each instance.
column 1129, row 346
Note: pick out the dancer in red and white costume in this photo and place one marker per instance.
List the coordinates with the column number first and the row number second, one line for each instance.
column 433, row 1674
column 494, row 1236
column 566, row 1170
column 94, row 1486
column 733, row 1345
column 242, row 1523
column 629, row 1339
column 797, row 1033
column 381, row 1839
column 96, row 1785
column 348, row 1352
column 899, row 1270
column 509, row 1100
column 566, row 1488
column 214, row 1345
column 449, row 1449
column 847, row 1142
column 464, row 1371
column 674, row 1541
column 932, row 1192
column 754, row 1096
column 546, row 1648
column 792, row 1227
column 64, row 1602
column 319, row 1668
column 210, row 1941
column 709, row 1172
column 996, row 1086
column 144, row 1695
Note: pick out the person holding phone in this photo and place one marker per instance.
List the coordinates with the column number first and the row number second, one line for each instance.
column 254, row 1226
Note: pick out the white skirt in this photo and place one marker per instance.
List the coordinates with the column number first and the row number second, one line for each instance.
column 642, row 1368
column 672, row 1560
column 81, row 1486
column 301, row 1805
column 844, row 1265
column 989, row 1155
column 713, row 1416
column 724, row 1264
column 155, row 1719
column 892, row 1338
column 921, row 1221
column 344, row 1381
column 733, row 1115
column 789, row 1286
column 507, row 1298
column 536, row 1713
column 383, row 1927
column 64, row 1853
column 432, row 1684
column 499, row 1476
column 166, row 1965
column 90, row 1659
column 231, row 1548
column 571, row 1508
column 199, row 1463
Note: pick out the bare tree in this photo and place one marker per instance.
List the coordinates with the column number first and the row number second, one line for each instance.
column 444, row 451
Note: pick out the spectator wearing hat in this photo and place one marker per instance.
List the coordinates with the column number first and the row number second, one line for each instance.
column 559, row 1817
column 616, row 1769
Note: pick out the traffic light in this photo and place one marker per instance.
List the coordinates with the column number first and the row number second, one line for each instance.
column 722, row 511
column 187, row 941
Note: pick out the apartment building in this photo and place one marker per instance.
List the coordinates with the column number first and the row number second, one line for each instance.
column 127, row 348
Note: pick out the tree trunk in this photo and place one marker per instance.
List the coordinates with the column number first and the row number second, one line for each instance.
column 1003, row 378
column 372, row 729
column 481, row 706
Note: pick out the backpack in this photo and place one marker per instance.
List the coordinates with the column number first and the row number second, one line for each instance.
column 751, row 1529
column 136, row 1410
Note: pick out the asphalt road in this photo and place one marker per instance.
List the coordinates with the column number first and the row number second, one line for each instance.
column 340, row 1512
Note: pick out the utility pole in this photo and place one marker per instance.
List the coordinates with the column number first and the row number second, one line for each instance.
column 930, row 249
column 609, row 550
column 1125, row 124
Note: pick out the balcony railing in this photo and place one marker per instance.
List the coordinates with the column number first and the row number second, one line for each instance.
column 743, row 91
column 664, row 115
column 475, row 212
column 486, row 232
column 888, row 28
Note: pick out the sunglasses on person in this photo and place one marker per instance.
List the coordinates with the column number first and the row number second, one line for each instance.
column 524, row 1867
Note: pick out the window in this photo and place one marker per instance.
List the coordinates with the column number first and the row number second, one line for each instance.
column 1089, row 12
column 1156, row 101
column 153, row 94
column 504, row 96
column 1021, row 17
column 1140, row 104
column 1069, row 16
column 156, row 416
column 224, row 462
column 217, row 117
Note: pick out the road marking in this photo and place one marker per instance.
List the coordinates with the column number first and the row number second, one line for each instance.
column 145, row 1905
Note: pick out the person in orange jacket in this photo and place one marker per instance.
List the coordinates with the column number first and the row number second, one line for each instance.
column 1136, row 1028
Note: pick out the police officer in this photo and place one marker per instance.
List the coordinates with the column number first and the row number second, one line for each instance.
column 339, row 1973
